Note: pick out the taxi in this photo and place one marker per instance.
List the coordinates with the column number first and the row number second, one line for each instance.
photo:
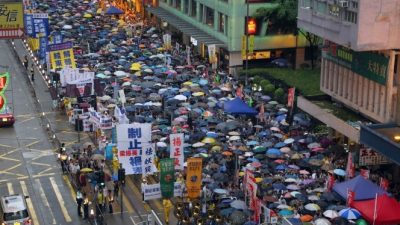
column 6, row 119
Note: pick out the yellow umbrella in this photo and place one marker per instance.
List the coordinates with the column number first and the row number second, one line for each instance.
column 197, row 94
column 138, row 73
column 187, row 83
column 86, row 170
column 161, row 49
column 136, row 65
column 208, row 140
column 99, row 11
column 87, row 15
column 258, row 179
column 241, row 174
column 135, row 68
column 216, row 148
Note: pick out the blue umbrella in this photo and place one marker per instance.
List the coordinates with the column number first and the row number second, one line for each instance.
column 279, row 145
column 281, row 167
column 274, row 151
column 212, row 134
column 285, row 212
column 114, row 11
column 339, row 172
column 249, row 143
column 203, row 82
column 279, row 186
column 350, row 213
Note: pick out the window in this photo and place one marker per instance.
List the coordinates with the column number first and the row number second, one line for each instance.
column 354, row 5
column 321, row 7
column 178, row 4
column 350, row 16
column 193, row 8
column 186, row 6
column 306, row 3
column 209, row 20
column 334, row 10
column 222, row 23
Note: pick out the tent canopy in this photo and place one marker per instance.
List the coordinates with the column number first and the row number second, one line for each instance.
column 364, row 189
column 238, row 107
column 387, row 210
column 112, row 10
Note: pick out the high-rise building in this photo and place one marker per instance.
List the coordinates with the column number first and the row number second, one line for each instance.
column 359, row 65
column 201, row 23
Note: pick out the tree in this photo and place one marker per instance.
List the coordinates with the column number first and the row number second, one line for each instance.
column 283, row 16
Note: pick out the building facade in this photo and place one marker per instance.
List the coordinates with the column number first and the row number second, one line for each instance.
column 223, row 22
column 359, row 64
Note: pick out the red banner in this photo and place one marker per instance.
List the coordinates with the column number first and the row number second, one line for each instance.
column 291, row 92
column 350, row 166
column 364, row 173
column 331, row 182
column 350, row 197
column 384, row 183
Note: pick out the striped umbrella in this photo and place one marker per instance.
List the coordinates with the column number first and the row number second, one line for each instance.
column 350, row 213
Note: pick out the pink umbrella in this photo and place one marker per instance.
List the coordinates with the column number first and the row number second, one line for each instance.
column 304, row 172
column 255, row 164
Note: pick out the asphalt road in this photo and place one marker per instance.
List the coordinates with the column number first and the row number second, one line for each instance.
column 27, row 160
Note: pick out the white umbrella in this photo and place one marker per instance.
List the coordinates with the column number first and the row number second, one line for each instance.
column 127, row 83
column 283, row 206
column 148, row 104
column 180, row 97
column 290, row 180
column 238, row 204
column 234, row 133
column 331, row 214
column 67, row 27
column 275, row 129
column 154, row 35
column 289, row 141
column 234, row 138
column 119, row 73
column 312, row 207
column 198, row 144
column 148, row 70
column 161, row 144
column 313, row 198
column 322, row 221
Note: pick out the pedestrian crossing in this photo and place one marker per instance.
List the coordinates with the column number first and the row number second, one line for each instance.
column 50, row 201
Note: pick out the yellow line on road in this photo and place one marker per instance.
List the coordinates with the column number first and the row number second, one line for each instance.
column 13, row 167
column 137, row 193
column 43, row 171
column 60, row 200
column 12, row 151
column 43, row 175
column 44, row 199
column 22, row 121
column 29, row 203
column 41, row 164
column 9, row 173
column 10, row 159
column 29, row 145
column 73, row 194
column 17, row 178
column 10, row 189
column 7, row 146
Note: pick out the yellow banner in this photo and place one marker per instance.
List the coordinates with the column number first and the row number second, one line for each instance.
column 11, row 15
column 61, row 59
column 251, row 44
column 244, row 46
column 33, row 43
column 193, row 177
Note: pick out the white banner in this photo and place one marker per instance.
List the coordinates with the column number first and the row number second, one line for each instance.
column 81, row 83
column 68, row 75
column 148, row 153
column 153, row 191
column 188, row 56
column 176, row 150
column 131, row 138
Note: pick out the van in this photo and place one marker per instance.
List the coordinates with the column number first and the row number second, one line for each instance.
column 13, row 210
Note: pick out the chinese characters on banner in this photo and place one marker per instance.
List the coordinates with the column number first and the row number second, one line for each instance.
column 148, row 152
column 350, row 166
column 291, row 93
column 369, row 157
column 167, row 177
column 153, row 191
column 193, row 177
column 176, row 153
column 131, row 138
column 364, row 173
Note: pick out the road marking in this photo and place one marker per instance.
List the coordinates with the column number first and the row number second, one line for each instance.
column 25, row 120
column 7, row 146
column 29, row 145
column 10, row 189
column 12, row 151
column 29, row 203
column 43, row 175
column 43, row 171
column 9, row 173
column 10, row 159
column 136, row 191
column 60, row 199
column 44, row 199
column 41, row 164
column 8, row 169
column 17, row 178
column 73, row 194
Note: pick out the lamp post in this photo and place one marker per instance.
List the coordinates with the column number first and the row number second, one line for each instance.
column 247, row 41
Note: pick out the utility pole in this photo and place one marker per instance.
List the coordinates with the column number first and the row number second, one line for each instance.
column 247, row 42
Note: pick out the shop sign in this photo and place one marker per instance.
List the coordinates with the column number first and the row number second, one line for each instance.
column 11, row 20
column 367, row 64
column 369, row 157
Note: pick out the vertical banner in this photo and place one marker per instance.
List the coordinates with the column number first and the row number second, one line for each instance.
column 350, row 166
column 244, row 42
column 350, row 197
column 211, row 53
column 193, row 177
column 148, row 153
column 188, row 56
column 43, row 48
column 177, row 47
column 251, row 44
column 131, row 138
column 384, row 183
column 176, row 152
column 291, row 93
column 167, row 177
column 4, row 80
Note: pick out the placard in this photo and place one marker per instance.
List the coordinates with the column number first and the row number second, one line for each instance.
column 153, row 191
column 176, row 150
column 369, row 157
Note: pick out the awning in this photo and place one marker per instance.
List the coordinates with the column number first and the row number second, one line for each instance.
column 185, row 27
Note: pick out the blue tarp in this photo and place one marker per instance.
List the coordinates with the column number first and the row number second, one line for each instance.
column 362, row 188
column 114, row 11
column 238, row 107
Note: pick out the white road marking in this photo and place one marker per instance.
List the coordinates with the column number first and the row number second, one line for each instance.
column 10, row 189
column 44, row 199
column 29, row 203
column 60, row 199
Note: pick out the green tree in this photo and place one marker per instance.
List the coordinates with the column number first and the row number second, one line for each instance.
column 283, row 14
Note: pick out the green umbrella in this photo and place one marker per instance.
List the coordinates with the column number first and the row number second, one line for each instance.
column 361, row 222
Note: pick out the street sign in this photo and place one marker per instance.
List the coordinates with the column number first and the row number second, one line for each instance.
column 11, row 20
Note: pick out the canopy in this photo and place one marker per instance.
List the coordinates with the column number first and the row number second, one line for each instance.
column 239, row 107
column 364, row 189
column 387, row 210
column 114, row 11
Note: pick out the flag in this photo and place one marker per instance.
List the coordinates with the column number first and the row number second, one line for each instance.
column 193, row 177
column 291, row 93
column 167, row 177
column 350, row 197
column 331, row 182
column 350, row 166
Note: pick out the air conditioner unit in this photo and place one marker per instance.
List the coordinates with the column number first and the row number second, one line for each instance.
column 344, row 4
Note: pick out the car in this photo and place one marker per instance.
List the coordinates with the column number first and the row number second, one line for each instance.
column 7, row 119
column 13, row 210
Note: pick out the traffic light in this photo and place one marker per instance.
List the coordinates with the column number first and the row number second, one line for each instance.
column 121, row 175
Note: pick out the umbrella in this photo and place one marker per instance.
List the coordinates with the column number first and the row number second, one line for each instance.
column 98, row 157
column 322, row 221
column 286, row 213
column 339, row 172
column 220, row 191
column 238, row 218
column 238, row 204
column 180, row 97
column 283, row 206
column 331, row 214
column 306, row 218
column 288, row 141
column 86, row 170
column 313, row 198
column 293, row 187
column 312, row 207
column 350, row 213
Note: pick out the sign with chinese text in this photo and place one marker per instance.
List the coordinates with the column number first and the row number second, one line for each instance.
column 369, row 157
column 148, row 153
column 367, row 64
column 167, row 177
column 4, row 80
column 193, row 177
column 68, row 75
column 131, row 138
column 11, row 20
column 350, row 197
column 176, row 152
column 36, row 24
column 42, row 47
column 212, row 57
column 153, row 191
column 61, row 55
column 291, row 95
column 167, row 41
